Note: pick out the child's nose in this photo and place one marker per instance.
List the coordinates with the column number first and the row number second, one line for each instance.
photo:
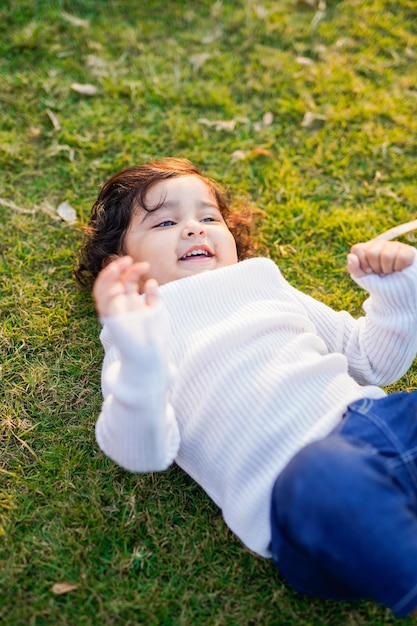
column 194, row 228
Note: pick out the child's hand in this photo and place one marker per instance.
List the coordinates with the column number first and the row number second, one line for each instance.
column 116, row 289
column 379, row 256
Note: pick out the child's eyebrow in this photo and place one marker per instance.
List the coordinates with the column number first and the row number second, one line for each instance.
column 167, row 206
column 170, row 205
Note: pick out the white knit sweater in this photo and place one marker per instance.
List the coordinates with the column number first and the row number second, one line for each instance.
column 236, row 370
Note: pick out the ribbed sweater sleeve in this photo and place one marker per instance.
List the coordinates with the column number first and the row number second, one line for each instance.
column 136, row 427
column 388, row 333
column 380, row 346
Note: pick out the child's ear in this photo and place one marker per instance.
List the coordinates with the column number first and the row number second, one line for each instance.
column 109, row 259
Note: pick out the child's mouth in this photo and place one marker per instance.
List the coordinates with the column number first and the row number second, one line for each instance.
column 196, row 255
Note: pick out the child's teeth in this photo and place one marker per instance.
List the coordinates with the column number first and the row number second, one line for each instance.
column 196, row 252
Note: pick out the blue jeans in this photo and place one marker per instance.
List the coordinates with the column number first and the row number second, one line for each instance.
column 344, row 510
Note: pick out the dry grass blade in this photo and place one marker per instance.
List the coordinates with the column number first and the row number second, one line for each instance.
column 397, row 231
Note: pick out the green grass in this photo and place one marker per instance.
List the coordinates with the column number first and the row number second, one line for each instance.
column 153, row 550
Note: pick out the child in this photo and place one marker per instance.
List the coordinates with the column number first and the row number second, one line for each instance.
column 269, row 399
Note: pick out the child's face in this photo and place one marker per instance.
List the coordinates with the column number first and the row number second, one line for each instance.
column 185, row 236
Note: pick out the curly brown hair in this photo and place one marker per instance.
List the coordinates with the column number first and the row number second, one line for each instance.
column 125, row 191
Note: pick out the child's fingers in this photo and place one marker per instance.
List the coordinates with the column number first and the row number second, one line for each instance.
column 405, row 256
column 375, row 256
column 151, row 292
column 116, row 289
column 114, row 268
column 382, row 257
column 132, row 276
column 108, row 278
column 353, row 266
column 389, row 255
column 359, row 251
column 111, row 272
column 386, row 257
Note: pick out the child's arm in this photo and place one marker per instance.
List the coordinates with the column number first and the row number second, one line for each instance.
column 381, row 345
column 136, row 427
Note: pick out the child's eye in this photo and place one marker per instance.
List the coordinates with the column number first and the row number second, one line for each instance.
column 209, row 219
column 165, row 224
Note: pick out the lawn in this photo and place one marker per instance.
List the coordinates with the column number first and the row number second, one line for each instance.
column 309, row 108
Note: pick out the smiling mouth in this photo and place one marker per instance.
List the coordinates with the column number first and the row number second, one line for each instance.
column 196, row 254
